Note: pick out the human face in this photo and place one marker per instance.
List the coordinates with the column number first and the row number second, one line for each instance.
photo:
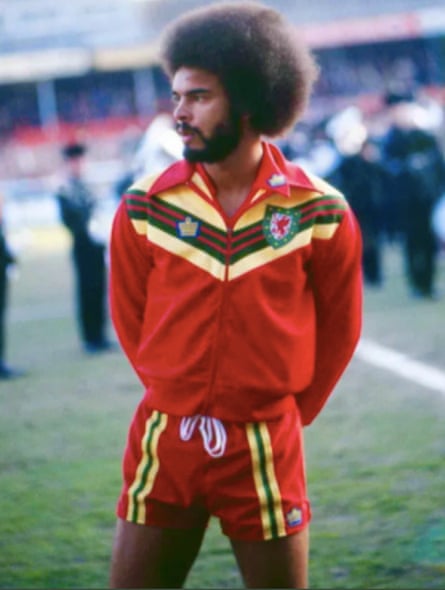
column 75, row 166
column 208, row 126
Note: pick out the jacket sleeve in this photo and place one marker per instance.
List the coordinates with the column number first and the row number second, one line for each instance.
column 130, row 265
column 337, row 284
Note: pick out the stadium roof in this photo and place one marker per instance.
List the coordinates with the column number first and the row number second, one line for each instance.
column 40, row 39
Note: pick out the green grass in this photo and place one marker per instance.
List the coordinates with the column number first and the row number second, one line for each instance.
column 375, row 456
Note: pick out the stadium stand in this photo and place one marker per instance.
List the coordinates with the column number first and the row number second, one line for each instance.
column 89, row 71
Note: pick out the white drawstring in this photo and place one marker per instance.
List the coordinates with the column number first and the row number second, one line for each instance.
column 187, row 427
column 212, row 430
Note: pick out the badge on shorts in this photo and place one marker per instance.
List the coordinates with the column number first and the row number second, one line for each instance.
column 280, row 225
column 294, row 517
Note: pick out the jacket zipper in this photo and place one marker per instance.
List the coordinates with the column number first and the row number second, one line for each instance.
column 223, row 286
column 229, row 224
column 219, row 320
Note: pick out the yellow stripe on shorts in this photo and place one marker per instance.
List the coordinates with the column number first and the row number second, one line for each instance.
column 266, row 485
column 147, row 468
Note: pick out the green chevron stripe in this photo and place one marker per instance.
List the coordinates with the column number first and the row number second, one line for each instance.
column 195, row 242
column 319, row 210
column 167, row 210
column 248, row 250
column 135, row 191
column 261, row 244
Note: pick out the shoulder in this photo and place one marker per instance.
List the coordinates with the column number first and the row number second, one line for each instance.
column 138, row 198
column 317, row 189
column 323, row 187
column 152, row 184
column 303, row 183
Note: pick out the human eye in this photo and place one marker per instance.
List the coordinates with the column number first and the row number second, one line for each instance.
column 200, row 96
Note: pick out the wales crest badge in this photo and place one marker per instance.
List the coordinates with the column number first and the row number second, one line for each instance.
column 280, row 225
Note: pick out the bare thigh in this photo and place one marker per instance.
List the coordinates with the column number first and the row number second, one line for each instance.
column 152, row 557
column 278, row 563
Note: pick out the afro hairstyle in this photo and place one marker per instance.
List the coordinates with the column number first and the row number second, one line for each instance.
column 256, row 54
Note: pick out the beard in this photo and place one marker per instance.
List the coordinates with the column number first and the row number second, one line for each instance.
column 217, row 146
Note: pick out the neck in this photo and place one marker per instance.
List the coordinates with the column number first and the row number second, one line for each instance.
column 240, row 168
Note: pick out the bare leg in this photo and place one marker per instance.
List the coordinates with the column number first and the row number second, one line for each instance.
column 279, row 563
column 152, row 557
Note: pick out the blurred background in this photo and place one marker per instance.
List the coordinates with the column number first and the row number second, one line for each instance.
column 88, row 71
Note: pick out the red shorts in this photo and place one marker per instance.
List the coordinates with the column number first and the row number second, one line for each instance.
column 180, row 471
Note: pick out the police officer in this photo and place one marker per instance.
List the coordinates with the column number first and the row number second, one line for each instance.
column 77, row 206
column 416, row 169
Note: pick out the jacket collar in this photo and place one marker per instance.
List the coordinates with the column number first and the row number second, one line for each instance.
column 275, row 175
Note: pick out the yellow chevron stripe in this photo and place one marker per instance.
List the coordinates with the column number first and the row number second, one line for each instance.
column 257, row 195
column 323, row 186
column 266, row 517
column 195, row 206
column 140, row 226
column 198, row 180
column 207, row 263
column 257, row 259
column 185, row 250
column 145, row 183
column 153, row 470
column 256, row 214
column 325, row 231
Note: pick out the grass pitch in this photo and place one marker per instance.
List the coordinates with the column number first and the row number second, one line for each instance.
column 375, row 456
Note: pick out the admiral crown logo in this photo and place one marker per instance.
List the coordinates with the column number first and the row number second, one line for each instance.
column 276, row 180
column 294, row 517
column 189, row 228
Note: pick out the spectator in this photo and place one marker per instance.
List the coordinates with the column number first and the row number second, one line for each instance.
column 416, row 168
column 358, row 174
column 77, row 209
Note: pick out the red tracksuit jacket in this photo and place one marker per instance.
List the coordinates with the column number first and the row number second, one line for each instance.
column 236, row 318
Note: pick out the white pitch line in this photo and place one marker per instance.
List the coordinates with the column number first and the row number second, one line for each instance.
column 367, row 350
column 401, row 364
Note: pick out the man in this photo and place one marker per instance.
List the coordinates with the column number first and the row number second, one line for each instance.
column 359, row 175
column 236, row 295
column 77, row 206
column 415, row 173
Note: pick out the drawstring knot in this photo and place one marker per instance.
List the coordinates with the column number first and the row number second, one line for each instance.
column 212, row 430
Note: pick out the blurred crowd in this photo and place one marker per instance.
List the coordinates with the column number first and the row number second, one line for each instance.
column 390, row 165
column 105, row 105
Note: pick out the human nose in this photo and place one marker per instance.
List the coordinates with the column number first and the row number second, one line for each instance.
column 181, row 112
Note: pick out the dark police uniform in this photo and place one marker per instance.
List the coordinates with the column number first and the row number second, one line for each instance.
column 77, row 205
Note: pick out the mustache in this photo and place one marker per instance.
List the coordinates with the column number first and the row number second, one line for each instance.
column 182, row 127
